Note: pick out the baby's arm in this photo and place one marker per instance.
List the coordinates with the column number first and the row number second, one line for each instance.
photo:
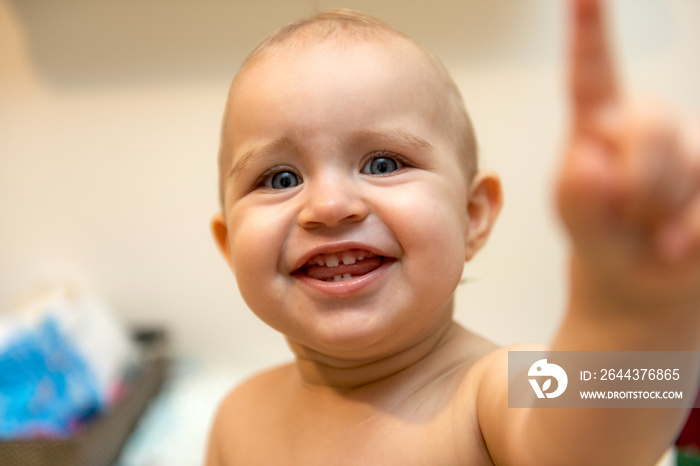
column 629, row 196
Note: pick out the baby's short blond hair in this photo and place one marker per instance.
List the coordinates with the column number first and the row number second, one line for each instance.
column 347, row 26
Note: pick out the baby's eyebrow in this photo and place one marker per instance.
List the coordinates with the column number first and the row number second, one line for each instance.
column 395, row 137
column 282, row 144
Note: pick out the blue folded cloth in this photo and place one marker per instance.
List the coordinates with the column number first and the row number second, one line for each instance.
column 46, row 386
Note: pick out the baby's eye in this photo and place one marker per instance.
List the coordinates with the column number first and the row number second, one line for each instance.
column 381, row 165
column 283, row 180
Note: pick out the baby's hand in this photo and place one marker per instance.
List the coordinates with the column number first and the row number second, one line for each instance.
column 629, row 188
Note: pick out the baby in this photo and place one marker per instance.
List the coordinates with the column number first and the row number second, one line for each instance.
column 351, row 199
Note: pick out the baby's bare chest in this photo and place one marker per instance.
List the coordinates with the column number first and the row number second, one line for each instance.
column 368, row 436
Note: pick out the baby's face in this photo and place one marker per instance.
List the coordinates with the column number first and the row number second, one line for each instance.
column 346, row 205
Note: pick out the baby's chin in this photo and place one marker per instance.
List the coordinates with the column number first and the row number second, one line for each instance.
column 354, row 336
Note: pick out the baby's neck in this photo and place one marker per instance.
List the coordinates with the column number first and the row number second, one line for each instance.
column 320, row 370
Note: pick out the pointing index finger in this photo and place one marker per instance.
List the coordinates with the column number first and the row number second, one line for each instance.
column 593, row 81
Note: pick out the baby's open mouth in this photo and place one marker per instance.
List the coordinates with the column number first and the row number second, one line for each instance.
column 340, row 266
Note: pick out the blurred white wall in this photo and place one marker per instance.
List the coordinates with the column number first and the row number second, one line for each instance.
column 109, row 121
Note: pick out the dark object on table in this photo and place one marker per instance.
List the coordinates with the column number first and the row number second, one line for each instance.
column 688, row 442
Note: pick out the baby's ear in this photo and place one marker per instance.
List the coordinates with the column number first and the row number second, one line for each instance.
column 220, row 233
column 484, row 205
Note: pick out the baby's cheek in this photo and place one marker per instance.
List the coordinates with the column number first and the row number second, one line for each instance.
column 254, row 248
column 444, row 248
column 433, row 234
column 254, row 268
column 437, row 217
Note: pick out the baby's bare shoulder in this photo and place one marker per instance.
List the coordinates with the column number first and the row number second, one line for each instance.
column 240, row 412
column 486, row 394
column 489, row 375
column 260, row 389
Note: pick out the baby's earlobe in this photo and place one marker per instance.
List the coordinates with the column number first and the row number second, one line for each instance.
column 484, row 205
column 220, row 233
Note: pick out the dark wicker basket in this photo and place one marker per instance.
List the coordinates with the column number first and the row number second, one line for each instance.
column 99, row 443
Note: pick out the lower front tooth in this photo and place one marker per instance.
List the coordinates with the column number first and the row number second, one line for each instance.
column 347, row 276
column 337, row 278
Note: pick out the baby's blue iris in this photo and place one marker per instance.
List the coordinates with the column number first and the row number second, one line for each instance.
column 380, row 166
column 284, row 180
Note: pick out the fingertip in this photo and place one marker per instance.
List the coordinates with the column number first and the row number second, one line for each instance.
column 584, row 6
column 586, row 11
column 593, row 76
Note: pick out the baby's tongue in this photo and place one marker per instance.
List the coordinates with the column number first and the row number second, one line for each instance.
column 361, row 267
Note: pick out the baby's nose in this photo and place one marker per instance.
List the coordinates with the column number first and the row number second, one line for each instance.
column 332, row 202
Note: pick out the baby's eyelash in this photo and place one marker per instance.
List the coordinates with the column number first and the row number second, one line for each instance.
column 260, row 181
column 386, row 153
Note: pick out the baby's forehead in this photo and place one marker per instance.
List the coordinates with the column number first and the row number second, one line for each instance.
column 387, row 69
column 342, row 27
column 402, row 51
column 337, row 77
